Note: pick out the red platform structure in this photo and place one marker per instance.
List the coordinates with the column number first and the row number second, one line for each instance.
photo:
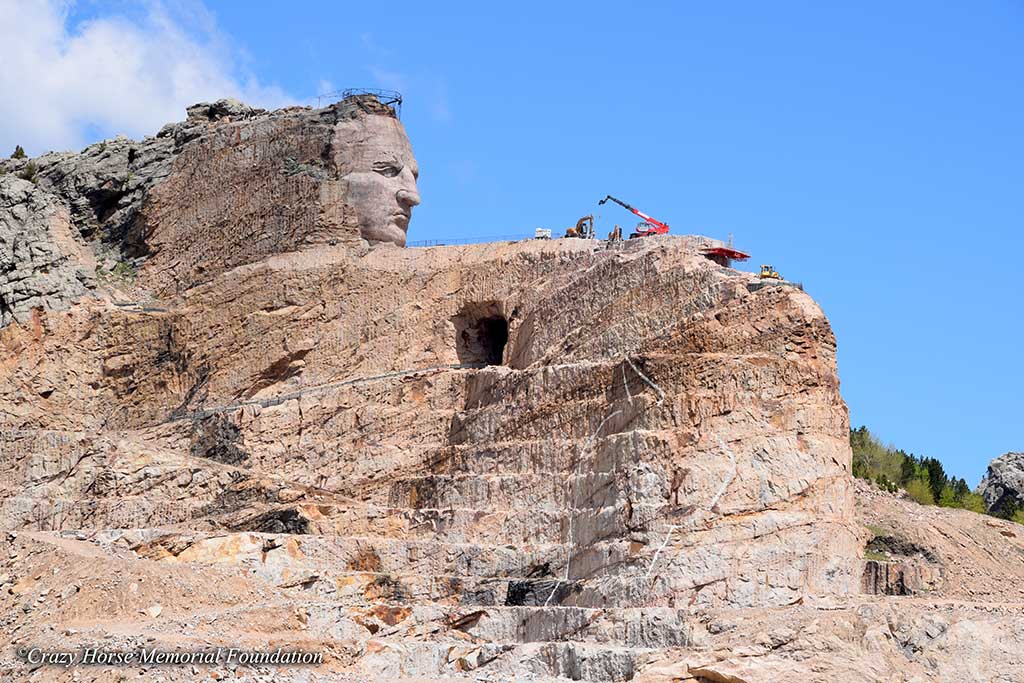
column 723, row 256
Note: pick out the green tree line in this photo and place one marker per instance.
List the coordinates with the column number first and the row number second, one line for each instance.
column 924, row 479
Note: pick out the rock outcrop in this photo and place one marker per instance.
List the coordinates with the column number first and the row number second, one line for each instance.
column 535, row 460
column 43, row 264
column 1002, row 487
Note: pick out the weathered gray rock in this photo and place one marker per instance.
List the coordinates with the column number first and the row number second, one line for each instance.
column 42, row 262
column 223, row 108
column 1003, row 483
column 104, row 185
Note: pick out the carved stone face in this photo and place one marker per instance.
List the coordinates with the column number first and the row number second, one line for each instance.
column 375, row 161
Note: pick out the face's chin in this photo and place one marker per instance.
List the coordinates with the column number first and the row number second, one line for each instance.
column 392, row 230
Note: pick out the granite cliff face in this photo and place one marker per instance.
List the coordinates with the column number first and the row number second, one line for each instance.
column 544, row 460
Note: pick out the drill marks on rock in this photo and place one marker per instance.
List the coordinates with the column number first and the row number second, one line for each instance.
column 725, row 485
column 586, row 451
column 710, row 507
column 582, row 457
column 201, row 413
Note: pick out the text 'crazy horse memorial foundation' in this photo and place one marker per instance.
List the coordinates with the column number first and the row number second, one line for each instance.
column 238, row 412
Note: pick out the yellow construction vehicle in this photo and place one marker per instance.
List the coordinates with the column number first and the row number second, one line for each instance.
column 584, row 228
column 769, row 272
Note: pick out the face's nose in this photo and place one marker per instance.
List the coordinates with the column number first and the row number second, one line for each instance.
column 408, row 198
column 407, row 195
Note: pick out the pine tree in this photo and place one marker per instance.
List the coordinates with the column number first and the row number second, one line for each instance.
column 1008, row 508
column 908, row 470
column 19, row 152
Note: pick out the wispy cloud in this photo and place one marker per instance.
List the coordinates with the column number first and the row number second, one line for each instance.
column 439, row 108
column 432, row 92
column 392, row 80
column 371, row 45
column 111, row 74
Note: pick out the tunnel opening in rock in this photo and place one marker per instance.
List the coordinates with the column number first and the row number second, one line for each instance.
column 481, row 334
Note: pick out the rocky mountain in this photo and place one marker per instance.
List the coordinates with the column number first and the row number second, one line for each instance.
column 258, row 421
column 1002, row 487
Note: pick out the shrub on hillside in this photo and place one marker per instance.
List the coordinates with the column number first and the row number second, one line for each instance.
column 29, row 172
column 920, row 492
column 924, row 479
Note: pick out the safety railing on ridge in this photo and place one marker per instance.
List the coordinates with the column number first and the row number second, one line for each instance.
column 446, row 241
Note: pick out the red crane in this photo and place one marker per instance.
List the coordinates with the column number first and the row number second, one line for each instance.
column 650, row 226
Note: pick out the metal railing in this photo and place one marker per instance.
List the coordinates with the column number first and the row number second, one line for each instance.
column 450, row 241
column 389, row 98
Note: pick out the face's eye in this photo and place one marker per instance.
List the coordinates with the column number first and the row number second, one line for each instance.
column 387, row 169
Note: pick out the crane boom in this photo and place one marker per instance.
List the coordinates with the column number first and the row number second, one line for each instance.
column 659, row 228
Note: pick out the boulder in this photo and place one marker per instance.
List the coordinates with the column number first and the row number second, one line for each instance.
column 1002, row 487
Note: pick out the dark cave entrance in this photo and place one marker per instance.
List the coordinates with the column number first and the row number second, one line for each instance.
column 481, row 333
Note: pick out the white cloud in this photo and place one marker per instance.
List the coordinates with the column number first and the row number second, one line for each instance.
column 439, row 103
column 432, row 91
column 370, row 43
column 64, row 85
column 385, row 78
column 325, row 87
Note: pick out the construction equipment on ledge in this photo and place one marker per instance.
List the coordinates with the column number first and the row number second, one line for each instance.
column 724, row 255
column 542, row 234
column 768, row 272
column 616, row 234
column 584, row 228
column 650, row 226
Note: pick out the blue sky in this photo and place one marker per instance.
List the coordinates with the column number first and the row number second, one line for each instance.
column 874, row 152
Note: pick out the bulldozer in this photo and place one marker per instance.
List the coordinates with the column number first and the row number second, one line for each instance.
column 584, row 228
column 767, row 272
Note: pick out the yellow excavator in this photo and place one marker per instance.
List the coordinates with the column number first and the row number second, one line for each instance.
column 768, row 272
column 584, row 228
